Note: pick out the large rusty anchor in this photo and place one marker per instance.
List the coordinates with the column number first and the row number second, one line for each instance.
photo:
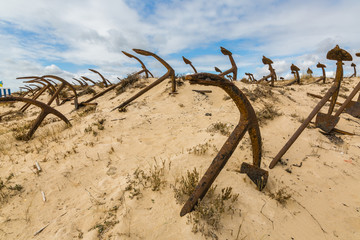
column 59, row 88
column 46, row 109
column 322, row 66
column 233, row 68
column 144, row 69
column 170, row 73
column 45, row 83
column 272, row 74
column 327, row 122
column 187, row 61
column 104, row 80
column 334, row 54
column 247, row 123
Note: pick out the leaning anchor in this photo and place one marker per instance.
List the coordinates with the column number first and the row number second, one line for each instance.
column 247, row 123
column 170, row 73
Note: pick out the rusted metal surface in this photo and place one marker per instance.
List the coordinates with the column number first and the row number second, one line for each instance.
column 247, row 123
column 233, row 68
column 88, row 79
column 296, row 70
column 104, row 80
column 322, row 66
column 322, row 120
column 327, row 121
column 251, row 77
column 309, row 72
column 297, row 133
column 46, row 109
column 37, row 95
column 144, row 69
column 170, row 73
column 217, row 70
column 187, row 61
column 354, row 66
column 80, row 82
column 273, row 77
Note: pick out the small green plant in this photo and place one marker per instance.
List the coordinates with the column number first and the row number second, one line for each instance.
column 127, row 83
column 222, row 128
column 20, row 132
column 281, row 196
column 206, row 217
column 268, row 112
column 153, row 178
column 7, row 191
column 109, row 222
column 201, row 149
column 88, row 90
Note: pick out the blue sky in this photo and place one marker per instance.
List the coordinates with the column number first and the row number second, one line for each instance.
column 66, row 37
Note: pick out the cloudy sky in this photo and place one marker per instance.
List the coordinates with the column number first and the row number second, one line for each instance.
column 66, row 37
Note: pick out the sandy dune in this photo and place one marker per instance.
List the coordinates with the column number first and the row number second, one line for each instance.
column 86, row 169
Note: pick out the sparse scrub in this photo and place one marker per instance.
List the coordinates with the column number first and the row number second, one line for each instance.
column 87, row 110
column 7, row 191
column 281, row 196
column 88, row 90
column 268, row 112
column 259, row 93
column 223, row 128
column 153, row 178
column 201, row 149
column 109, row 222
column 127, row 83
column 20, row 132
column 206, row 217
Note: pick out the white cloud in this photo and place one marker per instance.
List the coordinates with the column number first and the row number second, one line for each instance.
column 94, row 32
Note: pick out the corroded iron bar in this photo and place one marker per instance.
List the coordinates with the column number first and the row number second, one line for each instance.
column 105, row 81
column 38, row 93
column 247, row 123
column 187, row 61
column 354, row 66
column 147, row 72
column 296, row 70
column 268, row 61
column 62, row 85
column 317, row 108
column 80, row 82
column 170, row 73
column 233, row 68
column 88, row 79
column 46, row 109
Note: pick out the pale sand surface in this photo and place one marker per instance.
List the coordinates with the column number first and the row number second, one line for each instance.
column 84, row 176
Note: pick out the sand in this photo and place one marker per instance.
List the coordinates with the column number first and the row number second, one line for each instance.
column 85, row 171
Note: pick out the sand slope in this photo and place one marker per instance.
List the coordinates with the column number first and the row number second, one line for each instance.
column 84, row 174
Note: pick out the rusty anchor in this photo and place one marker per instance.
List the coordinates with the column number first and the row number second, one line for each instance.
column 272, row 74
column 88, row 80
column 170, row 73
column 322, row 66
column 296, row 70
column 187, row 61
column 104, row 80
column 247, row 123
column 144, row 69
column 354, row 66
column 251, row 77
column 233, row 68
column 82, row 83
column 309, row 72
column 327, row 122
column 60, row 87
column 24, row 93
column 334, row 54
column 46, row 109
